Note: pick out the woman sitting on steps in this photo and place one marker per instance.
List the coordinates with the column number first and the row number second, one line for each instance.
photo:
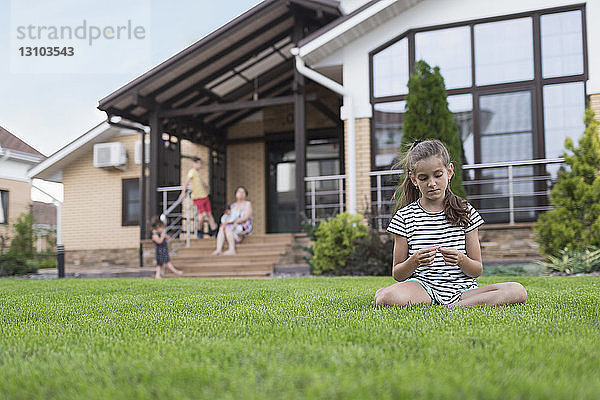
column 239, row 226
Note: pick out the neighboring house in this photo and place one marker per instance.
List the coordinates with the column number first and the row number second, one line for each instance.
column 44, row 225
column 16, row 157
column 518, row 74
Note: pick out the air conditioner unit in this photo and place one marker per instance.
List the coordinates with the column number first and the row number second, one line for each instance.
column 137, row 154
column 110, row 155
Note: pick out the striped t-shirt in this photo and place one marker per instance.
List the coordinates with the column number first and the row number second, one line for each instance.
column 423, row 229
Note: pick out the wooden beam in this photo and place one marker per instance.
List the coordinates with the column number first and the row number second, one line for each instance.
column 232, row 118
column 326, row 111
column 240, row 105
column 139, row 100
column 300, row 128
column 155, row 142
column 249, row 53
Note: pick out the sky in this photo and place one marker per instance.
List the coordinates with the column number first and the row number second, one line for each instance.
column 48, row 101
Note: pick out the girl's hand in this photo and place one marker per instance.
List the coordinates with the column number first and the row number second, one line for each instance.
column 425, row 256
column 451, row 256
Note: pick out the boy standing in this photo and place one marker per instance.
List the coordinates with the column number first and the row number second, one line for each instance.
column 200, row 197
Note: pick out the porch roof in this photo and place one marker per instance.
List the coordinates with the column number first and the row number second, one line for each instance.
column 246, row 59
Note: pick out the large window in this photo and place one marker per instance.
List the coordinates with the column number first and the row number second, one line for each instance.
column 504, row 51
column 450, row 49
column 3, row 207
column 391, row 67
column 131, row 202
column 515, row 84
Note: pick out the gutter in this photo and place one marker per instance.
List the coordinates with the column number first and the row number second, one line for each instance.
column 116, row 121
column 19, row 155
column 349, row 112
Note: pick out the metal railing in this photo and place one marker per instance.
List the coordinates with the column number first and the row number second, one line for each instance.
column 180, row 224
column 325, row 196
column 502, row 174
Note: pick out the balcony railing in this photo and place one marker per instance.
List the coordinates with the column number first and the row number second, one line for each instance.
column 325, row 197
column 506, row 192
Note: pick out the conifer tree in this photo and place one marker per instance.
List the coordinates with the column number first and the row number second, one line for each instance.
column 574, row 223
column 428, row 117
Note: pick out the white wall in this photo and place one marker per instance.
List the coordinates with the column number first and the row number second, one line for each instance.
column 15, row 170
column 355, row 55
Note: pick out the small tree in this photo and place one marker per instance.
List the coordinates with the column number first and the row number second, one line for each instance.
column 574, row 223
column 428, row 117
column 20, row 258
column 21, row 244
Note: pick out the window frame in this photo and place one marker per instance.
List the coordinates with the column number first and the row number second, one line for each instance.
column 125, row 201
column 536, row 84
column 5, row 206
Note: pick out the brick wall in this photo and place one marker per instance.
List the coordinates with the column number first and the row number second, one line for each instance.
column 189, row 149
column 595, row 104
column 246, row 167
column 363, row 162
column 19, row 199
column 91, row 214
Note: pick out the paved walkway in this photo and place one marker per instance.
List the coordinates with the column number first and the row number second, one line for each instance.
column 281, row 271
column 101, row 272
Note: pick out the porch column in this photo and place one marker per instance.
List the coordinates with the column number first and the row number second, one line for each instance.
column 155, row 137
column 299, row 131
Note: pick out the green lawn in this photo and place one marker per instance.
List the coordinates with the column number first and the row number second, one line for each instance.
column 292, row 338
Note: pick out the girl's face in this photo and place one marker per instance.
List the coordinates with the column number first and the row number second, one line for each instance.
column 432, row 177
column 240, row 194
column 160, row 229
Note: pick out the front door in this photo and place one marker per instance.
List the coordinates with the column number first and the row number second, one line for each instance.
column 281, row 170
column 322, row 158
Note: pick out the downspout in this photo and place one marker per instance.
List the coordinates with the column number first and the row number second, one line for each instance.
column 336, row 87
column 142, row 132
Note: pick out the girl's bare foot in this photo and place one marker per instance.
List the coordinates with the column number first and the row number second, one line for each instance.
column 157, row 277
column 230, row 253
column 178, row 272
column 216, row 253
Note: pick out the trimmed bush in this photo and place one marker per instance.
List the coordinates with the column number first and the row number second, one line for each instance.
column 335, row 242
column 373, row 255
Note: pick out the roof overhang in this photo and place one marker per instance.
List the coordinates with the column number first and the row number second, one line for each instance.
column 10, row 154
column 344, row 30
column 50, row 169
column 249, row 57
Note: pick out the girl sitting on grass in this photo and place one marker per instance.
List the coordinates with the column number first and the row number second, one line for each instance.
column 437, row 255
column 159, row 237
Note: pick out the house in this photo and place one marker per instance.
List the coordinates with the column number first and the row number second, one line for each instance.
column 44, row 225
column 16, row 158
column 302, row 102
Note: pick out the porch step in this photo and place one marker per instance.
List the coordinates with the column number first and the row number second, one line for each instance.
column 226, row 274
column 256, row 257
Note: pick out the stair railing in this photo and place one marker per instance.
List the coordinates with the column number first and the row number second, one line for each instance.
column 175, row 222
